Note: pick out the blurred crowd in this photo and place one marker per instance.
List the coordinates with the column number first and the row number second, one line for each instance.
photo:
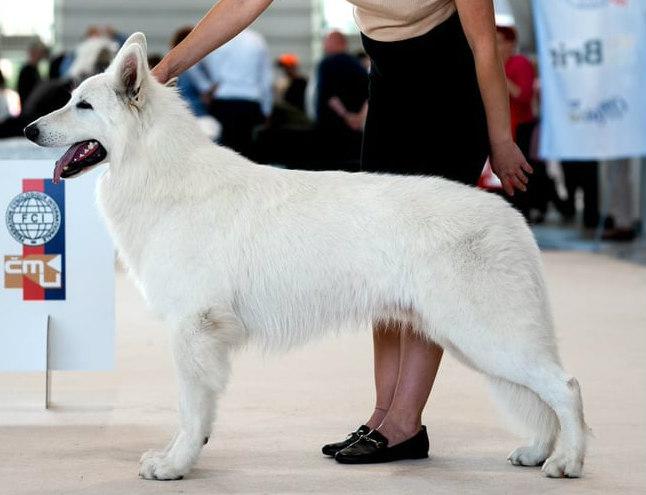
column 274, row 112
column 40, row 91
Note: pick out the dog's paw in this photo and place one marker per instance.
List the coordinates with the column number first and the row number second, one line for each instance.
column 530, row 455
column 156, row 465
column 563, row 466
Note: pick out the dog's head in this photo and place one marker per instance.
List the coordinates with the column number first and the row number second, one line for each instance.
column 102, row 113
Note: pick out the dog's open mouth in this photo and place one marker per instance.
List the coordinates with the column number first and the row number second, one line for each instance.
column 78, row 158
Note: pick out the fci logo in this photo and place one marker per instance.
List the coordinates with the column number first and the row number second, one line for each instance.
column 33, row 218
column 42, row 269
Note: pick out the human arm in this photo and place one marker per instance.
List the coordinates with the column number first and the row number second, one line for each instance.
column 514, row 89
column 223, row 21
column 507, row 161
column 354, row 120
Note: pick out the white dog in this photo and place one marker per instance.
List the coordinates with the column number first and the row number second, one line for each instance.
column 226, row 250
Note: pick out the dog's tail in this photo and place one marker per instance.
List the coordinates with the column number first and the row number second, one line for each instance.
column 526, row 411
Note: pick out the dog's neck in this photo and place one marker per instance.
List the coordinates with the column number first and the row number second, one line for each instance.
column 167, row 157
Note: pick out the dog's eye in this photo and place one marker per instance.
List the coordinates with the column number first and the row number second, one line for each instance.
column 84, row 105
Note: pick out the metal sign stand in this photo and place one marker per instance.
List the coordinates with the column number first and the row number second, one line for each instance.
column 48, row 378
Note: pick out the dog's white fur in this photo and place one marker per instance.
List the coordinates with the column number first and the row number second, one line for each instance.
column 227, row 250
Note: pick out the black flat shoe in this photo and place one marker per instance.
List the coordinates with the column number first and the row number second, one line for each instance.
column 332, row 448
column 373, row 448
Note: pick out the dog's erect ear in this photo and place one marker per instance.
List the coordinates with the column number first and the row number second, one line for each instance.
column 131, row 73
column 138, row 39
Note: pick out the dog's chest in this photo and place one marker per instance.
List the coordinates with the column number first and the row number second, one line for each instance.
column 129, row 220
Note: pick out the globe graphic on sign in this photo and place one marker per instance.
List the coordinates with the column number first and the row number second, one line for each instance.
column 33, row 218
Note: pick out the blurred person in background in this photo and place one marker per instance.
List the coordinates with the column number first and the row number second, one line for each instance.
column 287, row 138
column 521, row 85
column 292, row 88
column 61, row 64
column 153, row 59
column 582, row 175
column 520, row 74
column 91, row 56
column 9, row 110
column 55, row 64
column 29, row 76
column 186, row 86
column 237, row 79
column 438, row 105
column 341, row 100
column 4, row 103
column 190, row 92
column 619, row 226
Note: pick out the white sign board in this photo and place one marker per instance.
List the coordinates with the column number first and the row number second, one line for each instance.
column 25, row 350
column 57, row 260
column 592, row 57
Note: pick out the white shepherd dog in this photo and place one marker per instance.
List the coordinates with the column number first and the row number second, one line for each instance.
column 226, row 250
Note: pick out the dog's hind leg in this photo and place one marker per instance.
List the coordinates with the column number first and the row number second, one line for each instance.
column 201, row 348
column 523, row 361
column 533, row 415
column 563, row 394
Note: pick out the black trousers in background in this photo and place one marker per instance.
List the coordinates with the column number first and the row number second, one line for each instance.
column 425, row 112
column 584, row 175
column 238, row 118
column 541, row 188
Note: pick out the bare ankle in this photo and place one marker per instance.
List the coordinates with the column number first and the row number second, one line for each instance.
column 399, row 428
column 377, row 417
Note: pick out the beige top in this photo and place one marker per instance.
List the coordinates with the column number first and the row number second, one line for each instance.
column 394, row 20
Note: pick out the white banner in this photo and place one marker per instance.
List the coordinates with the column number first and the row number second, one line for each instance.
column 592, row 58
column 58, row 260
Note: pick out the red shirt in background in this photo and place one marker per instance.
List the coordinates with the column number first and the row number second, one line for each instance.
column 520, row 71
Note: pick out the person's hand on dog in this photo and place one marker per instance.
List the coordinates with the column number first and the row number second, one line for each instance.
column 510, row 165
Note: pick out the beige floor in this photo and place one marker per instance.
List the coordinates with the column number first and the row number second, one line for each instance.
column 280, row 409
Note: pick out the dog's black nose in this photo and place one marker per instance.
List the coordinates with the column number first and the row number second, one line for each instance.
column 32, row 132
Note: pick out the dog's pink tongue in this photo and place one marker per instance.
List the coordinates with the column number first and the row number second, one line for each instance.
column 64, row 160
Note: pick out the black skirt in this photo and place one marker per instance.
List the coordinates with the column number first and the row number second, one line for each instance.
column 425, row 113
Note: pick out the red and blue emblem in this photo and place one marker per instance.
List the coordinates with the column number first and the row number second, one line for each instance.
column 36, row 219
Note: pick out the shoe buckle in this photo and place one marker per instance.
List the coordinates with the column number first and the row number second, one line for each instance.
column 357, row 433
column 377, row 443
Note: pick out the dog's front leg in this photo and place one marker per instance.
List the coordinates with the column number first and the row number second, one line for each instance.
column 201, row 354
